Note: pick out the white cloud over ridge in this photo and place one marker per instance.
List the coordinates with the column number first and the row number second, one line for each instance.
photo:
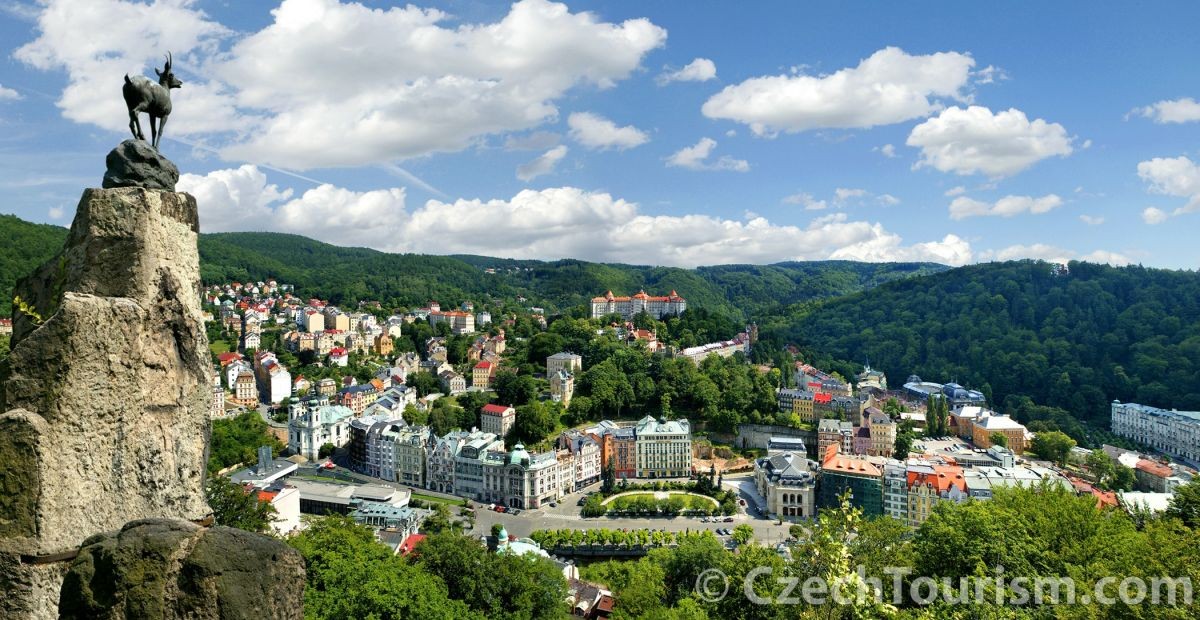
column 329, row 84
column 695, row 157
column 542, row 164
column 1184, row 110
column 551, row 223
column 890, row 86
column 699, row 70
column 596, row 132
column 975, row 140
column 1008, row 206
column 1054, row 254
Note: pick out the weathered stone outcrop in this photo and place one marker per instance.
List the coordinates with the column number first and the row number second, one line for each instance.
column 105, row 397
column 134, row 163
column 161, row 568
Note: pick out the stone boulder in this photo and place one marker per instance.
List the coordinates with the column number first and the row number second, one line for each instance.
column 105, row 394
column 161, row 569
column 134, row 163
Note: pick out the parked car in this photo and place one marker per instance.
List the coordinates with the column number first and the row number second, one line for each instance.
column 554, row 504
column 729, row 519
column 582, row 501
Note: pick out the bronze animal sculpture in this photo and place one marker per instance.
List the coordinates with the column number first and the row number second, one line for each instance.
column 144, row 95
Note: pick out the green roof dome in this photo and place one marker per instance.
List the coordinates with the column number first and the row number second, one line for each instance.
column 518, row 456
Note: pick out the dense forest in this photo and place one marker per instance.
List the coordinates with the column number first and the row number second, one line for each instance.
column 23, row 246
column 1073, row 339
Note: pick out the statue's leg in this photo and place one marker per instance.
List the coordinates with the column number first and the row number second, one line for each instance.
column 162, row 125
column 133, row 119
column 153, row 132
column 137, row 122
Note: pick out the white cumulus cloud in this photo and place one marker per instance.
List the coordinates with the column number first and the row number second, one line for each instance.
column 1091, row 220
column 328, row 83
column 1154, row 215
column 596, row 132
column 1008, row 206
column 1171, row 176
column 542, row 164
column 696, row 157
column 805, row 200
column 233, row 199
column 550, row 223
column 1184, row 110
column 886, row 150
column 699, row 70
column 976, row 140
column 891, row 86
column 8, row 94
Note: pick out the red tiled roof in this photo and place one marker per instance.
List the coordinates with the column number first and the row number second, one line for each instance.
column 410, row 543
column 484, row 364
column 849, row 465
column 496, row 409
column 267, row 496
column 942, row 479
column 1154, row 469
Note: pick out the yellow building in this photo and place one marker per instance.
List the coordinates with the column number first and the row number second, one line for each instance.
column 383, row 345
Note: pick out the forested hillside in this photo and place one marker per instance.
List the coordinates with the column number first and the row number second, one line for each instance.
column 744, row 292
column 23, row 246
column 1074, row 340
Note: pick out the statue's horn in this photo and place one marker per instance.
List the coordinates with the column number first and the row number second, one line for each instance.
column 168, row 61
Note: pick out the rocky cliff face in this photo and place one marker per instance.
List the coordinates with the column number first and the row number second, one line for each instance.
column 106, row 390
column 159, row 568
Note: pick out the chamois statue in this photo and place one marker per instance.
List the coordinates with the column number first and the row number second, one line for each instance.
column 143, row 95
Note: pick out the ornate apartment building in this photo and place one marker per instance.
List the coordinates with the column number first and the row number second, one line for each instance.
column 1176, row 433
column 627, row 307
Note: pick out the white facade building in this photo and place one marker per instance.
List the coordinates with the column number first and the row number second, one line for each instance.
column 315, row 422
column 627, row 307
column 663, row 449
column 1175, row 433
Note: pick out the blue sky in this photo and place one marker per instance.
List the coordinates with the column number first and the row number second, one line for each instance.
column 654, row 132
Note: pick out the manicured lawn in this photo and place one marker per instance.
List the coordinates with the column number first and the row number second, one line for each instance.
column 218, row 347
column 691, row 502
column 436, row 500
